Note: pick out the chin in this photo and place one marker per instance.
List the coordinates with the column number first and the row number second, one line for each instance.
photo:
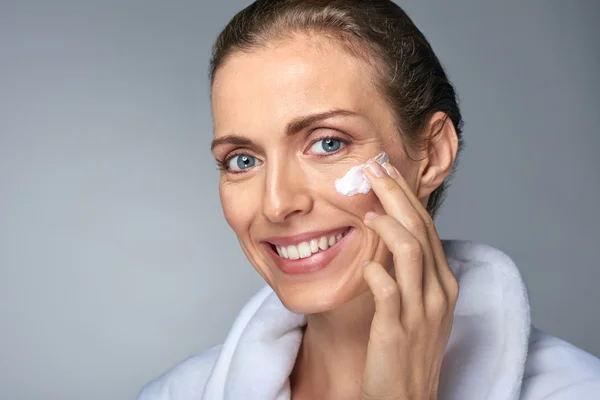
column 319, row 296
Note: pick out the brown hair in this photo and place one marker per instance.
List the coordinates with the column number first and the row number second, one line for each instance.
column 406, row 70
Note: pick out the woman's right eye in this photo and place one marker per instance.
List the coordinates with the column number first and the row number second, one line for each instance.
column 240, row 162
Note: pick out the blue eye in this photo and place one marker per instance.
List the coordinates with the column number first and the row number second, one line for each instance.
column 241, row 162
column 327, row 145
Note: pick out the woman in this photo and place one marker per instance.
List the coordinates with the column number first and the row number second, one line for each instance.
column 362, row 298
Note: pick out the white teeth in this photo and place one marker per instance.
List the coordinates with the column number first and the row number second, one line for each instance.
column 293, row 253
column 314, row 245
column 323, row 244
column 331, row 241
column 306, row 249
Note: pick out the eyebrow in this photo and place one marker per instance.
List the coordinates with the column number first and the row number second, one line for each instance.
column 295, row 126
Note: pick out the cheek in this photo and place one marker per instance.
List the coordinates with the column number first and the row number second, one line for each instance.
column 239, row 204
column 358, row 205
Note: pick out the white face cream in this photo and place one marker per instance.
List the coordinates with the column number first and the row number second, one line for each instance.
column 354, row 181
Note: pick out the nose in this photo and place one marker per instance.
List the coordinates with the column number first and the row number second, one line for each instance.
column 286, row 191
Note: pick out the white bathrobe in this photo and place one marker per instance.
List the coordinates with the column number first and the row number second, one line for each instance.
column 493, row 352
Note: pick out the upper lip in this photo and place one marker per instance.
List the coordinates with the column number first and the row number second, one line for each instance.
column 303, row 237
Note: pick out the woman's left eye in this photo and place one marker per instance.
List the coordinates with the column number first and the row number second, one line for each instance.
column 327, row 145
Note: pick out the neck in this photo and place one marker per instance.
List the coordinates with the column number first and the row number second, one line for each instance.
column 332, row 356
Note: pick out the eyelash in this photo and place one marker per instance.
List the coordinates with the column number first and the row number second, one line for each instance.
column 222, row 163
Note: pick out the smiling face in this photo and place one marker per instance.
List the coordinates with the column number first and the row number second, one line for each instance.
column 290, row 119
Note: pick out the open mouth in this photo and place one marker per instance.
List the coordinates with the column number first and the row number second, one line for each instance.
column 310, row 247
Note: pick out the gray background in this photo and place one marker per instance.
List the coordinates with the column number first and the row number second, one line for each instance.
column 115, row 260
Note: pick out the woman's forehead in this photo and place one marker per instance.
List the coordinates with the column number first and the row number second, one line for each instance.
column 278, row 83
column 293, row 69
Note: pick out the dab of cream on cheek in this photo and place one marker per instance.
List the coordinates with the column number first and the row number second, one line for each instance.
column 355, row 182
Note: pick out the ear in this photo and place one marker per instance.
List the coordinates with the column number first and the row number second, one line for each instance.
column 440, row 154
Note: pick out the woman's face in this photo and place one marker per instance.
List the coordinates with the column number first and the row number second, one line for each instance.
column 289, row 120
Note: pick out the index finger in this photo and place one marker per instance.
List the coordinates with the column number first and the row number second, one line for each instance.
column 397, row 204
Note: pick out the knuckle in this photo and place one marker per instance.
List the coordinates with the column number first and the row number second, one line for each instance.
column 388, row 292
column 414, row 223
column 408, row 249
column 428, row 221
column 388, row 184
column 439, row 302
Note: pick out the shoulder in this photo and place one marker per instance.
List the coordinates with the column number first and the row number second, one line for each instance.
column 185, row 380
column 557, row 370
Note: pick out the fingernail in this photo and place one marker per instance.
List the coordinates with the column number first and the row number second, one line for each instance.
column 371, row 215
column 365, row 263
column 376, row 170
column 391, row 170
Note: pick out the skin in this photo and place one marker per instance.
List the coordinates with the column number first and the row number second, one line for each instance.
column 374, row 332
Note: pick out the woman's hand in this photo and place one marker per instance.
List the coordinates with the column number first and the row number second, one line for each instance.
column 413, row 317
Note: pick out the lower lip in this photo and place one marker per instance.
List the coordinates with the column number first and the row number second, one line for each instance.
column 315, row 262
